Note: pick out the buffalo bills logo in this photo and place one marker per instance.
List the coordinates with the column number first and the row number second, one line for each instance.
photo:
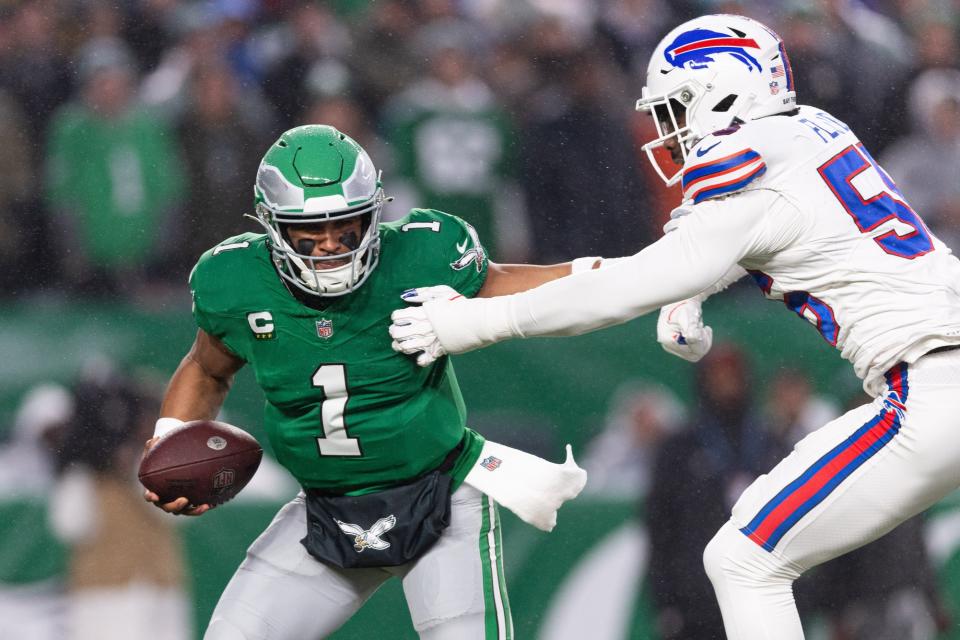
column 893, row 402
column 696, row 48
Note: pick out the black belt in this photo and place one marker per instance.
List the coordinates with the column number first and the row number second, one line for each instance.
column 449, row 462
column 949, row 347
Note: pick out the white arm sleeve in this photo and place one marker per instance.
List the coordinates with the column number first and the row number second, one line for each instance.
column 696, row 255
column 704, row 243
column 735, row 273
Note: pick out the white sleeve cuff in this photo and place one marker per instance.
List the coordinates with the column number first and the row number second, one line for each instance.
column 468, row 324
column 165, row 426
column 579, row 265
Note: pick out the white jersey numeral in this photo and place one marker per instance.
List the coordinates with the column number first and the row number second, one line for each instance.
column 227, row 247
column 332, row 380
column 433, row 226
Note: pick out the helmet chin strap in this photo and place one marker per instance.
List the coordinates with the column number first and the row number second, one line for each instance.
column 331, row 280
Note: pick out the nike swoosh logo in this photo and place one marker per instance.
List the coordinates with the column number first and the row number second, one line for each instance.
column 462, row 248
column 703, row 152
column 667, row 71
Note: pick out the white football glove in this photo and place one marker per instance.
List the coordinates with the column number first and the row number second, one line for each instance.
column 680, row 330
column 412, row 332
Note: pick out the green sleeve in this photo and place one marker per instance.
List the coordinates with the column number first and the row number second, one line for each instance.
column 459, row 250
column 205, row 283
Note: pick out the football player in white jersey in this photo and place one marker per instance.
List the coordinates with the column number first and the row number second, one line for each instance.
column 789, row 195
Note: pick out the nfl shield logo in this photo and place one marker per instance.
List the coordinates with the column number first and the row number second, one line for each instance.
column 490, row 463
column 324, row 328
column 223, row 479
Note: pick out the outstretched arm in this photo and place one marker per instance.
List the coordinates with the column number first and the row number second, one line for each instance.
column 697, row 253
column 506, row 279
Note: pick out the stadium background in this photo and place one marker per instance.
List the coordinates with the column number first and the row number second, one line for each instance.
column 536, row 144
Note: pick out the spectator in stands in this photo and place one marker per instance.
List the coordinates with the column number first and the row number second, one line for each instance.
column 633, row 28
column 454, row 144
column 698, row 475
column 579, row 166
column 933, row 27
column 384, row 59
column 875, row 55
column 926, row 164
column 19, row 242
column 150, row 30
column 32, row 603
column 314, row 42
column 126, row 574
column 619, row 460
column 221, row 141
column 33, row 66
column 792, row 409
column 114, row 177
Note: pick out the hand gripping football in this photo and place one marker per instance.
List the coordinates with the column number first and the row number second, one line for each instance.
column 204, row 461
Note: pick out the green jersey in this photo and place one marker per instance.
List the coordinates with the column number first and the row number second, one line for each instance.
column 344, row 412
column 118, row 177
column 457, row 152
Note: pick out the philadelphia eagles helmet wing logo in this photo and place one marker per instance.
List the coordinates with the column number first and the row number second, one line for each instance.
column 369, row 538
column 474, row 255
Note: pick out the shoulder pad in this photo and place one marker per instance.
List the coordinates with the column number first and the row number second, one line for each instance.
column 227, row 256
column 719, row 165
column 440, row 244
column 453, row 236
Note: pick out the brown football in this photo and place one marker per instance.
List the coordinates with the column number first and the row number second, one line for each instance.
column 204, row 461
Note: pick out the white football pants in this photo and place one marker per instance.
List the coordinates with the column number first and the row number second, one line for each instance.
column 843, row 486
column 455, row 591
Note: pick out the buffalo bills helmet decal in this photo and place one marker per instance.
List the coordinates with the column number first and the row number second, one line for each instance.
column 696, row 48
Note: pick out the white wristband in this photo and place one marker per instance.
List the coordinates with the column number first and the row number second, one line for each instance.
column 606, row 263
column 165, row 426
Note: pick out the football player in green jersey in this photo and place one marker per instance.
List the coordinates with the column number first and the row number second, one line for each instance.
column 394, row 483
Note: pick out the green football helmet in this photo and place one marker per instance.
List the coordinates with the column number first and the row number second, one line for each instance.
column 315, row 174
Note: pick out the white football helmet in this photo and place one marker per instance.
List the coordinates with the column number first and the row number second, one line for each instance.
column 710, row 73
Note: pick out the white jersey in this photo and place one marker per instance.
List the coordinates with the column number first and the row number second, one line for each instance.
column 799, row 203
column 850, row 255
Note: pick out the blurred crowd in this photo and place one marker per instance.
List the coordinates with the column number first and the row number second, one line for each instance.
column 130, row 134
column 67, row 483
column 132, row 130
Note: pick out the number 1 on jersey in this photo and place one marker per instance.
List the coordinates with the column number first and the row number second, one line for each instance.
column 332, row 380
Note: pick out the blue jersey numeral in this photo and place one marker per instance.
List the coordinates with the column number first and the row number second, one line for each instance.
column 839, row 172
column 815, row 310
column 805, row 305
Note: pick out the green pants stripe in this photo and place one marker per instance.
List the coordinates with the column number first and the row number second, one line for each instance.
column 499, row 624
